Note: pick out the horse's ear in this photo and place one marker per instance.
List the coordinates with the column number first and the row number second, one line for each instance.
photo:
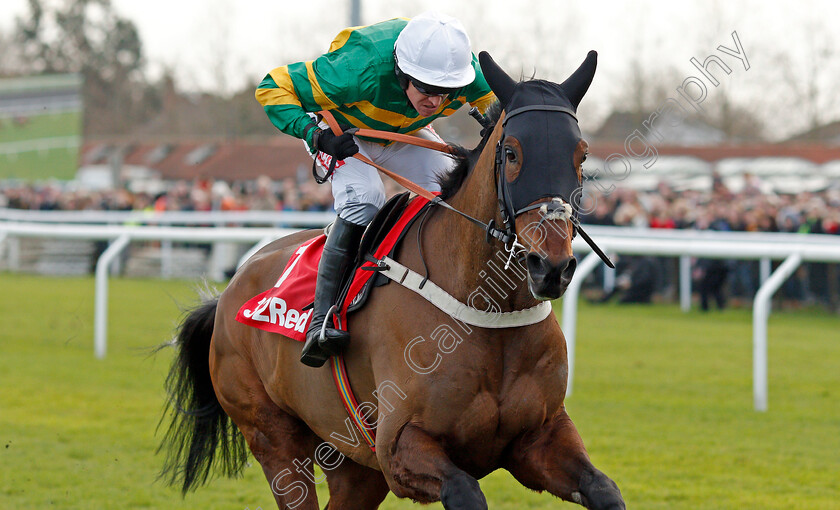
column 501, row 84
column 578, row 83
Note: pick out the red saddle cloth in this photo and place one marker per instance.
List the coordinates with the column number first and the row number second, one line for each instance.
column 280, row 308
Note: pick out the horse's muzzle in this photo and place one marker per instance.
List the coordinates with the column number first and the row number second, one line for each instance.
column 548, row 280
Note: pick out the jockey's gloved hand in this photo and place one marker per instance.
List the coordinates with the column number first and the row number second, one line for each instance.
column 339, row 147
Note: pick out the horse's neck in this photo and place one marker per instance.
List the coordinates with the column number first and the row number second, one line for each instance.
column 476, row 266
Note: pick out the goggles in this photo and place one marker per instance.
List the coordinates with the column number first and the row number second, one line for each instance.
column 430, row 90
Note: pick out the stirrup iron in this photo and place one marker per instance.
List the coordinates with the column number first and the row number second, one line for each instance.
column 336, row 322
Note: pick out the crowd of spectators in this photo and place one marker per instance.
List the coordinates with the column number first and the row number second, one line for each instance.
column 199, row 195
column 721, row 209
column 747, row 210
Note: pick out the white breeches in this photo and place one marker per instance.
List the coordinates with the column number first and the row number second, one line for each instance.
column 357, row 187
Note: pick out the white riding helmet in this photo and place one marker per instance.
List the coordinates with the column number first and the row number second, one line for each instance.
column 434, row 48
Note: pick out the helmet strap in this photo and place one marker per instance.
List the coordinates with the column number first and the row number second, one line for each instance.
column 401, row 76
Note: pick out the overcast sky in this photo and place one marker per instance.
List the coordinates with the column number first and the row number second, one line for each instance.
column 247, row 38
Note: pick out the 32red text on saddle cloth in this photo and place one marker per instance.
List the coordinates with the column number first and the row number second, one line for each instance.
column 280, row 308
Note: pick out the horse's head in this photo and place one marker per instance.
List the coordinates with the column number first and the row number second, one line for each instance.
column 538, row 163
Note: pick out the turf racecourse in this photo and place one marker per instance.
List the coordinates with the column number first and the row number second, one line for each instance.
column 663, row 401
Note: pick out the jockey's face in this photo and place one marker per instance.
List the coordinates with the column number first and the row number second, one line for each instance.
column 425, row 105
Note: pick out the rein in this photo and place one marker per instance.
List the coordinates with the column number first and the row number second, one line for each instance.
column 555, row 209
column 507, row 236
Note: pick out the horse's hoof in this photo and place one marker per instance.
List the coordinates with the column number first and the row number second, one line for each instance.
column 599, row 492
column 462, row 492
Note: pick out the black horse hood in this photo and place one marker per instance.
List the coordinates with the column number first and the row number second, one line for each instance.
column 541, row 116
column 572, row 90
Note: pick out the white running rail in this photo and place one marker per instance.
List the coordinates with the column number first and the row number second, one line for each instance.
column 793, row 249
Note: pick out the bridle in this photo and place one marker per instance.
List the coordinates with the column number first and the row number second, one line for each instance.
column 555, row 208
column 506, row 207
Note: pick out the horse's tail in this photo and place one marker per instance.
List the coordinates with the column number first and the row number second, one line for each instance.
column 200, row 436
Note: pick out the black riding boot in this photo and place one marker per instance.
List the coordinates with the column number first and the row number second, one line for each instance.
column 336, row 263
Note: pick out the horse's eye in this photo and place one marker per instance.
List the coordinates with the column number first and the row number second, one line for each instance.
column 584, row 156
column 510, row 154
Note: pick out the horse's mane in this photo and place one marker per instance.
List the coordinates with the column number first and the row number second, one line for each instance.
column 451, row 181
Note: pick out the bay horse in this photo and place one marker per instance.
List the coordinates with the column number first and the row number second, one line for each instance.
column 448, row 406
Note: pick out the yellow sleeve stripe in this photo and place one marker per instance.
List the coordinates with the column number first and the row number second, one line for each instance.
column 341, row 38
column 484, row 101
column 283, row 94
column 317, row 93
column 378, row 114
column 447, row 110
column 275, row 97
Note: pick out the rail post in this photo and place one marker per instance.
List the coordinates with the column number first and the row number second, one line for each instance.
column 570, row 304
column 100, row 313
column 761, row 312
column 685, row 283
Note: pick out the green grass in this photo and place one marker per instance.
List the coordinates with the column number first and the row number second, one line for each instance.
column 662, row 399
column 58, row 163
column 40, row 166
column 41, row 126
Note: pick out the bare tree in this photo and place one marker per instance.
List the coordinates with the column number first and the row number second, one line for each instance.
column 10, row 64
column 811, row 78
column 739, row 121
column 88, row 37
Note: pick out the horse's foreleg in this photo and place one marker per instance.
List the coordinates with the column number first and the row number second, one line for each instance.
column 553, row 458
column 421, row 470
column 355, row 486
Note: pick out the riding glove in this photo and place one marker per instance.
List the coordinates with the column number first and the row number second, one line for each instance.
column 339, row 147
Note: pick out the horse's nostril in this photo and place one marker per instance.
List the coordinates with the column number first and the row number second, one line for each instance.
column 536, row 264
column 571, row 265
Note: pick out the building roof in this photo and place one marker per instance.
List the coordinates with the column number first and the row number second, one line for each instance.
column 670, row 129
column 827, row 134
column 230, row 160
column 283, row 156
column 813, row 152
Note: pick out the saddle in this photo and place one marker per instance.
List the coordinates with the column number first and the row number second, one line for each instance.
column 286, row 308
column 375, row 233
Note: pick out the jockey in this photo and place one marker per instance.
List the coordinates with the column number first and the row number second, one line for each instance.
column 396, row 76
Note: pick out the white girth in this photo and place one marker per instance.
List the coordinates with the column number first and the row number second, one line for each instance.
column 456, row 309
